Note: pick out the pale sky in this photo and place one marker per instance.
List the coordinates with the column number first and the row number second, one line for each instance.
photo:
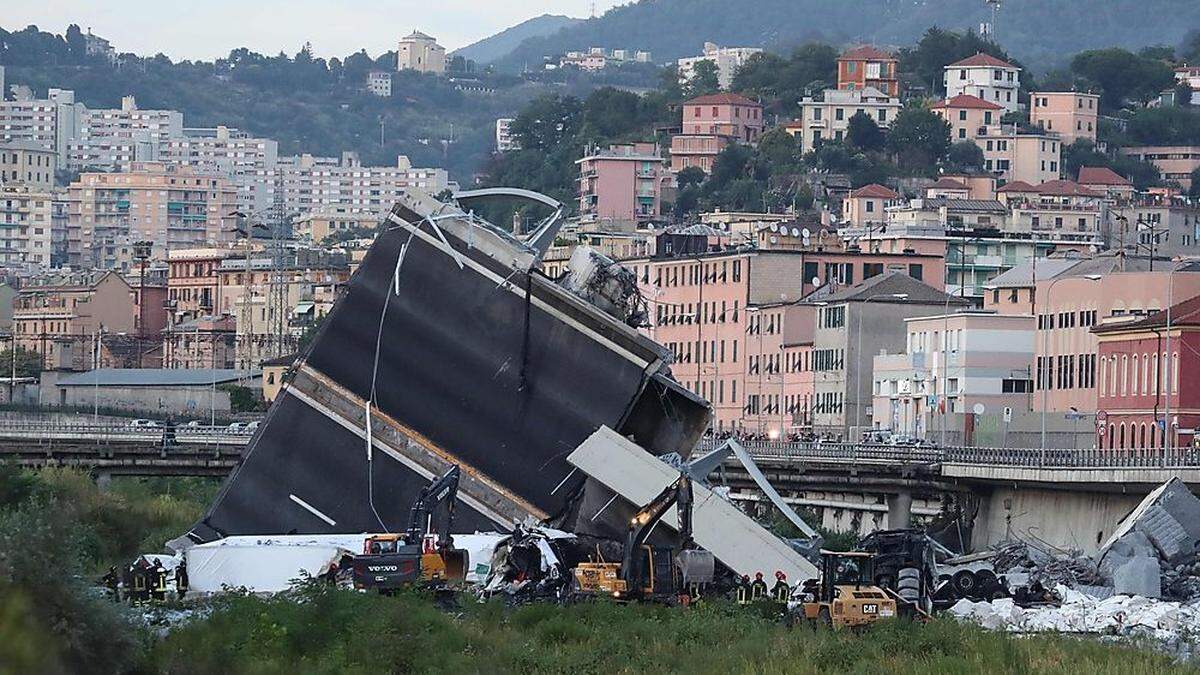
column 204, row 29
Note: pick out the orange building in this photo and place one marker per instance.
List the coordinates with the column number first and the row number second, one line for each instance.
column 868, row 66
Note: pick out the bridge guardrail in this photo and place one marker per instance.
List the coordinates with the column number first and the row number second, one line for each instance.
column 1033, row 458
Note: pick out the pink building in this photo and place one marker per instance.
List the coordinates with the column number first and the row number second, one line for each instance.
column 1069, row 114
column 622, row 187
column 1149, row 379
column 865, row 206
column 1175, row 162
column 709, row 124
column 969, row 116
column 732, row 323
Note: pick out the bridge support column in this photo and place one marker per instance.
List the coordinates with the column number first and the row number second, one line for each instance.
column 104, row 480
column 900, row 510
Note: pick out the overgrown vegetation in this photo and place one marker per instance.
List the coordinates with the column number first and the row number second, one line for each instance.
column 320, row 630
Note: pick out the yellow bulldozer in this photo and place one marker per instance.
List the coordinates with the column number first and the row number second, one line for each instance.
column 845, row 596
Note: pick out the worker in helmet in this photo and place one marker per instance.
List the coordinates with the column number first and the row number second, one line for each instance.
column 780, row 590
column 758, row 589
column 743, row 590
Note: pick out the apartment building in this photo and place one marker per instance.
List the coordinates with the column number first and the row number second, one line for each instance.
column 986, row 77
column 306, row 183
column 379, row 83
column 169, row 206
column 726, row 59
column 202, row 342
column 27, row 163
column 623, row 187
column 193, row 285
column 869, row 67
column 249, row 162
column 1148, row 378
column 1070, row 114
column 1069, row 303
column 1175, row 163
column 316, row 226
column 1014, row 156
column 504, row 138
column 709, row 124
column 1165, row 226
column 1116, row 188
column 51, row 122
column 732, row 322
column 421, row 53
column 112, row 138
column 60, row 316
column 1055, row 206
column 973, row 357
column 25, row 228
column 829, row 117
column 854, row 324
column 969, row 117
column 866, row 207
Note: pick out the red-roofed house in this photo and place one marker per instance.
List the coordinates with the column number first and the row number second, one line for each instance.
column 865, row 206
column 969, row 116
column 985, row 76
column 1069, row 114
column 1104, row 180
column 1058, row 206
column 709, row 124
column 868, row 66
column 949, row 188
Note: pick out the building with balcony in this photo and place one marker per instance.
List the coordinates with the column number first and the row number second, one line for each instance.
column 854, row 324
column 987, row 77
column 1056, row 206
column 112, row 138
column 726, row 59
column 969, row 117
column 869, row 67
column 316, row 226
column 25, row 229
column 50, row 122
column 828, row 119
column 1116, row 188
column 504, row 139
column 250, row 163
column 709, row 124
column 970, row 357
column 1070, row 114
column 379, row 83
column 193, row 283
column 169, row 206
column 421, row 53
column 306, row 183
column 622, row 187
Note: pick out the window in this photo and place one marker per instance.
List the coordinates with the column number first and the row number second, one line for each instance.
column 916, row 271
column 1015, row 386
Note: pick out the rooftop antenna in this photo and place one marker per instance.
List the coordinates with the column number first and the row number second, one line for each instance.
column 593, row 8
column 990, row 32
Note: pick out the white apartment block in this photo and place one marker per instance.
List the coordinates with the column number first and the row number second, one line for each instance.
column 504, row 139
column 27, row 163
column 379, row 83
column 25, row 228
column 111, row 138
column 251, row 163
column 828, row 119
column 421, row 53
column 307, row 183
column 51, row 122
column 727, row 59
column 986, row 77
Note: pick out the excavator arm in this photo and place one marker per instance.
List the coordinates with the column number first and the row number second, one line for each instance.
column 677, row 493
column 441, row 492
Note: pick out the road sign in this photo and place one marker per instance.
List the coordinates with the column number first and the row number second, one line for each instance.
column 1101, row 417
column 1007, row 413
column 978, row 409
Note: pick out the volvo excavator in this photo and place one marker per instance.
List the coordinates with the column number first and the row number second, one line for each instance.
column 424, row 552
column 652, row 572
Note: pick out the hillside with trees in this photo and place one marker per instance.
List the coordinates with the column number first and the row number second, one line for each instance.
column 1039, row 31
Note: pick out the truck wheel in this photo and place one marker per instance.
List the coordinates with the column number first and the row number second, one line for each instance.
column 964, row 583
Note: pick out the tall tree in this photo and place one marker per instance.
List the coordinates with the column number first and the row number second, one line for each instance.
column 1122, row 75
column 863, row 133
column 706, row 79
column 919, row 139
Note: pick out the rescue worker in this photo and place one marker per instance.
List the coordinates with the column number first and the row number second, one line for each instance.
column 780, row 591
column 181, row 580
column 112, row 582
column 743, row 590
column 140, row 584
column 158, row 576
column 758, row 589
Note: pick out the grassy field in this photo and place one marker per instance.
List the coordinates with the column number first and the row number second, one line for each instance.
column 57, row 532
column 319, row 630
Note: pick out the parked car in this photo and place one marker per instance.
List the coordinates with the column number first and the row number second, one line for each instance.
column 145, row 424
column 236, row 428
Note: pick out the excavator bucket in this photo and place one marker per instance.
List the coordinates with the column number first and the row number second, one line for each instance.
column 457, row 561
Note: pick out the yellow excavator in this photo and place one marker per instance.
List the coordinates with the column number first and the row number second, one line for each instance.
column 651, row 572
column 845, row 597
column 423, row 553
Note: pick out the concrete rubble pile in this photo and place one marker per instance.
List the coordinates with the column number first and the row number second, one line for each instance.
column 1143, row 581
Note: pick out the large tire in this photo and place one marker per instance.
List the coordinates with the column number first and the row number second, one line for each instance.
column 988, row 583
column 965, row 583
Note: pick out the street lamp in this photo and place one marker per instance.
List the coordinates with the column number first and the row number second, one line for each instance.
column 1044, row 373
column 859, row 355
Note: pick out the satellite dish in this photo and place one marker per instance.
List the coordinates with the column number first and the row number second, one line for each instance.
column 806, row 233
column 795, row 232
column 774, row 240
column 816, row 281
column 774, row 227
column 978, row 408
